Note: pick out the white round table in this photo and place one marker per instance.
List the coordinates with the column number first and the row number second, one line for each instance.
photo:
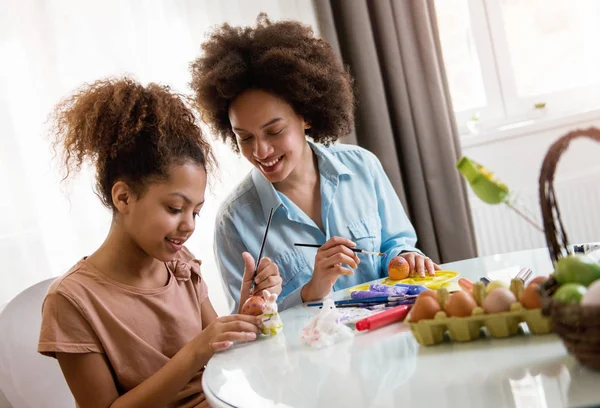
column 387, row 367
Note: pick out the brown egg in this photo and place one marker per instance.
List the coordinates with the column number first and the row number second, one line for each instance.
column 460, row 304
column 539, row 280
column 428, row 292
column 424, row 308
column 530, row 298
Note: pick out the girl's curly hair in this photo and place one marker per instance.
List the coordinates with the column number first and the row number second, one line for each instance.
column 130, row 132
column 280, row 57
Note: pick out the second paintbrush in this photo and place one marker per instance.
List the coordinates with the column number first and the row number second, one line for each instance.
column 362, row 251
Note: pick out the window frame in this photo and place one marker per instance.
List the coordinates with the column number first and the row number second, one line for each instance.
column 504, row 106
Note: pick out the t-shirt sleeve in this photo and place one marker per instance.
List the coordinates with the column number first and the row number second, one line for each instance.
column 202, row 290
column 64, row 328
column 188, row 257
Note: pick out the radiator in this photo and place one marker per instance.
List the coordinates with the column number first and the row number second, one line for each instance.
column 498, row 229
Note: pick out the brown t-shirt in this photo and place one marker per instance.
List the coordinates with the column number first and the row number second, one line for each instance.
column 138, row 330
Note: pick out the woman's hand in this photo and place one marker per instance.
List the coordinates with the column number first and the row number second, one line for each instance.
column 267, row 277
column 419, row 264
column 329, row 265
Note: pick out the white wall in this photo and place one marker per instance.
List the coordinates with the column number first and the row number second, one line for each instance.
column 516, row 156
column 49, row 47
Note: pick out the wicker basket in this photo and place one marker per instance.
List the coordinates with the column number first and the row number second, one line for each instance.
column 578, row 326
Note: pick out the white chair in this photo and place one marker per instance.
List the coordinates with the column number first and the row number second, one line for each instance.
column 28, row 379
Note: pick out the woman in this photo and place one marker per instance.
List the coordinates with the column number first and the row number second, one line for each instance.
column 263, row 90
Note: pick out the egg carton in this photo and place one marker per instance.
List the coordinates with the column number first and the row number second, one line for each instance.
column 431, row 331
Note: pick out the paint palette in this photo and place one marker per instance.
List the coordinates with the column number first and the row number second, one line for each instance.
column 440, row 279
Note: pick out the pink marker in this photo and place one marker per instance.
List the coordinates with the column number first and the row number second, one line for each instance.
column 383, row 319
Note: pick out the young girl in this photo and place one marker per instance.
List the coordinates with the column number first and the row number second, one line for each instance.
column 131, row 324
column 263, row 90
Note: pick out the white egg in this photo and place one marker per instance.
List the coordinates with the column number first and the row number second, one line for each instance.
column 592, row 296
column 498, row 300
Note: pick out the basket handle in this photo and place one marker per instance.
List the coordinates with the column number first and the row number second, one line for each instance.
column 556, row 236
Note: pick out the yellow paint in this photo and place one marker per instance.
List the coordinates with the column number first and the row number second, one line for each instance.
column 440, row 279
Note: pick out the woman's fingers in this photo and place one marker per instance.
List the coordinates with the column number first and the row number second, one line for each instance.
column 343, row 250
column 430, row 267
column 410, row 258
column 266, row 268
column 272, row 284
column 334, row 241
column 340, row 270
column 339, row 258
column 420, row 266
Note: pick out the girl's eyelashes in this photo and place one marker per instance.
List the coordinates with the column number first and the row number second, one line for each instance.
column 174, row 210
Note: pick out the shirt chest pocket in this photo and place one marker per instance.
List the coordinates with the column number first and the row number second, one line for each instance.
column 293, row 269
column 366, row 233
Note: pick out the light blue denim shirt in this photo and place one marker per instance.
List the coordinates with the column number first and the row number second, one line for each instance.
column 358, row 202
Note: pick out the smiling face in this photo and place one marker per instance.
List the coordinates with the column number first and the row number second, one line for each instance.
column 270, row 134
column 162, row 218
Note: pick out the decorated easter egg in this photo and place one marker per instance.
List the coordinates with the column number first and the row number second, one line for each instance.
column 398, row 268
column 253, row 306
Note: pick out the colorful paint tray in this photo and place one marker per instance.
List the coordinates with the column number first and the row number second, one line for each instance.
column 440, row 279
column 431, row 282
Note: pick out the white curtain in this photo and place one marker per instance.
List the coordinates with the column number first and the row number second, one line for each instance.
column 49, row 47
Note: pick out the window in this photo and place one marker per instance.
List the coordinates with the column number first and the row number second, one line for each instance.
column 513, row 60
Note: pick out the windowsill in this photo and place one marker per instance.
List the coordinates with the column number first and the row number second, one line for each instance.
column 517, row 129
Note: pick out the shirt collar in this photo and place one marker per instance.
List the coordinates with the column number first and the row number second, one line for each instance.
column 266, row 193
column 330, row 167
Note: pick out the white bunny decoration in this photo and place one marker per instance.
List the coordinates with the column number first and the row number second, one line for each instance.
column 271, row 322
column 325, row 328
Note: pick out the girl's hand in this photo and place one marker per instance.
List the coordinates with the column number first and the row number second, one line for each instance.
column 329, row 261
column 223, row 332
column 419, row 264
column 267, row 277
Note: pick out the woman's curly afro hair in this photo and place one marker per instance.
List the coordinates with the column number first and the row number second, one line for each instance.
column 279, row 57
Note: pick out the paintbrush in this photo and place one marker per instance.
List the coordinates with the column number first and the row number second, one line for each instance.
column 368, row 301
column 361, row 251
column 262, row 247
